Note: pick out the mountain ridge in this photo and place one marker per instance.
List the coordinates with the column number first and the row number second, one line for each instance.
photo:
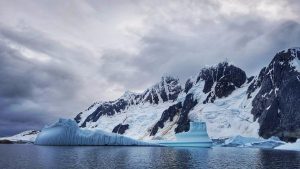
column 220, row 95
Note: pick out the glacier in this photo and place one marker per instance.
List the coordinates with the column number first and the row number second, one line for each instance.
column 66, row 132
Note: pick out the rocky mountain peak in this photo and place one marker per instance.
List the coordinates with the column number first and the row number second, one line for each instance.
column 220, row 80
column 167, row 89
column 277, row 103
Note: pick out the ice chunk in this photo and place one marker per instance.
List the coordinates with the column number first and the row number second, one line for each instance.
column 252, row 142
column 290, row 146
column 67, row 132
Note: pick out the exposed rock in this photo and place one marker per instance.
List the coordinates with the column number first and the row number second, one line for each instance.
column 120, row 128
column 167, row 115
column 277, row 104
column 221, row 80
column 167, row 89
column 188, row 85
column 6, row 142
column 249, row 79
column 256, row 83
column 183, row 123
column 78, row 117
column 107, row 108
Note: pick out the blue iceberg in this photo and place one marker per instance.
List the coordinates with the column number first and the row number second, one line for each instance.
column 65, row 132
column 251, row 142
column 196, row 137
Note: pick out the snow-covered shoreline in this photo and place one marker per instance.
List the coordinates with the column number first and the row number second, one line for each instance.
column 28, row 136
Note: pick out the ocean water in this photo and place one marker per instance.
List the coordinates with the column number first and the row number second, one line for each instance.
column 56, row 157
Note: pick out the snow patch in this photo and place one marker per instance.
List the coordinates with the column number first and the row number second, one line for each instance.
column 295, row 62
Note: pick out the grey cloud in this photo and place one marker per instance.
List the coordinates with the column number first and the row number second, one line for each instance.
column 28, row 86
column 88, row 55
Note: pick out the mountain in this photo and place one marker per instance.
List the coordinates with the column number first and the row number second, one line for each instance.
column 222, row 95
column 277, row 104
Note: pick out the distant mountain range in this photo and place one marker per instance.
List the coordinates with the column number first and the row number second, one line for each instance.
column 222, row 96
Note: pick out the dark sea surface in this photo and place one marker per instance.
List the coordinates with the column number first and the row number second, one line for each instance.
column 53, row 157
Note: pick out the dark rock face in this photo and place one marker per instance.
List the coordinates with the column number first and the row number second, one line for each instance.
column 183, row 121
column 224, row 87
column 225, row 77
column 277, row 104
column 107, row 108
column 249, row 79
column 78, row 117
column 166, row 115
column 256, row 83
column 32, row 132
column 121, row 128
column 188, row 85
column 6, row 142
column 168, row 89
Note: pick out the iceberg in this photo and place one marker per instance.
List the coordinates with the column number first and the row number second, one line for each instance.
column 65, row 132
column 196, row 137
column 252, row 142
column 290, row 146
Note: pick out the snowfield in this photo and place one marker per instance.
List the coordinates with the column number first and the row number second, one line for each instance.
column 226, row 117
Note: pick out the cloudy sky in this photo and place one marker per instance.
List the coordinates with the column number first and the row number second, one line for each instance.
column 58, row 57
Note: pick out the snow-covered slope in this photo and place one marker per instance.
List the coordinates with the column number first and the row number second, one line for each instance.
column 227, row 116
column 28, row 136
column 226, row 113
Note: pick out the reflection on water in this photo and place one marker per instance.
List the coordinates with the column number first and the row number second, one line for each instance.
column 30, row 156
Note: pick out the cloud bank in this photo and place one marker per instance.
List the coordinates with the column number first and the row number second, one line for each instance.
column 58, row 57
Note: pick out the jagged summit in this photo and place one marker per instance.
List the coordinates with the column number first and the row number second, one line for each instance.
column 128, row 95
column 220, row 80
column 277, row 104
column 167, row 89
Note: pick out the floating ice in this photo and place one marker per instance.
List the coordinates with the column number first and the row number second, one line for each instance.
column 252, row 142
column 290, row 146
column 67, row 132
column 196, row 137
